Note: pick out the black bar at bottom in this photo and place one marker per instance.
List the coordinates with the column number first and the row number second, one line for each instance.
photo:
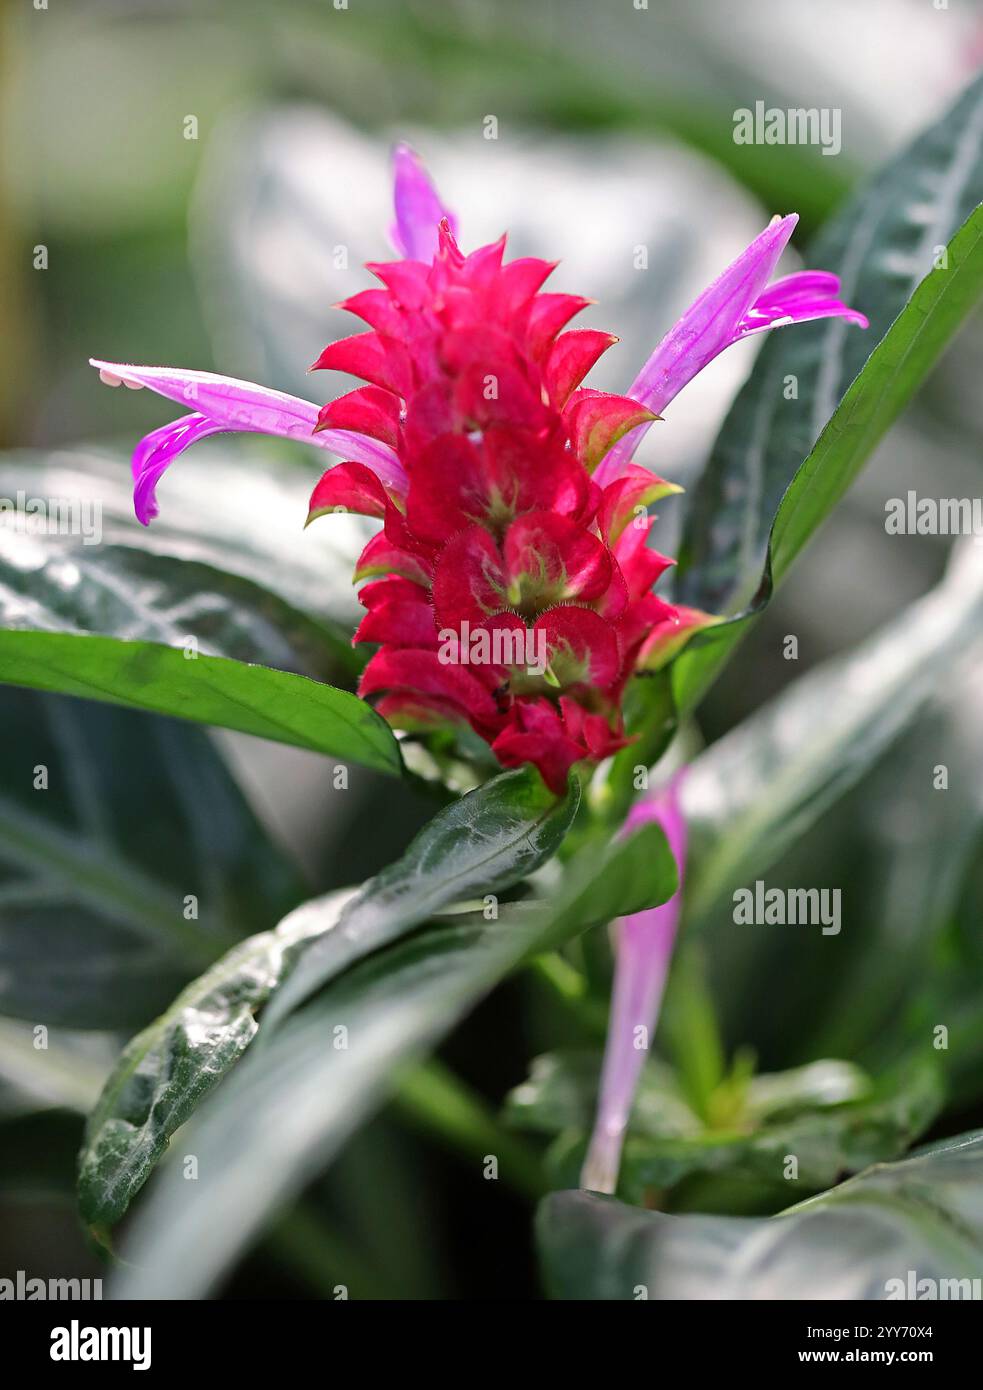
column 233, row 1336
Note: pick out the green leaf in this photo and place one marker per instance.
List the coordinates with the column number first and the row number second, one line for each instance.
column 486, row 841
column 923, row 1214
column 690, row 1029
column 134, row 594
column 560, row 1093
column 237, row 509
column 433, row 1099
column 897, row 367
column 290, row 1104
column 762, row 786
column 911, row 963
column 68, row 1074
column 110, row 825
column 900, row 845
column 882, row 245
column 889, row 379
column 827, row 1115
column 165, row 1071
column 207, row 689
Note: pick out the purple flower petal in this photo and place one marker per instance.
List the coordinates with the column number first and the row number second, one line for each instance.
column 419, row 209
column 224, row 403
column 709, row 324
column 738, row 303
column 644, row 950
column 809, row 294
column 155, row 453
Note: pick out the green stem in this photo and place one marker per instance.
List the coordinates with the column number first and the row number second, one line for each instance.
column 307, row 1245
column 569, row 987
column 435, row 1099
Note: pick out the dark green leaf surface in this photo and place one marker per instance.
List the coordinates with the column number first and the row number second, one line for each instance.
column 899, row 847
column 165, row 1071
column 127, row 592
column 923, row 1214
column 207, row 689
column 761, row 787
column 290, row 1104
column 776, row 800
column 96, row 870
column 882, row 245
column 236, row 508
column 488, row 840
column 898, row 365
column 892, row 374
column 921, row 952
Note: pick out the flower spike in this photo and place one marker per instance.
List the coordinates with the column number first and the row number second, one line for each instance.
column 511, row 582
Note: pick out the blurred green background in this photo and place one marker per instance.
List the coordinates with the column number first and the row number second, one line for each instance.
column 615, row 131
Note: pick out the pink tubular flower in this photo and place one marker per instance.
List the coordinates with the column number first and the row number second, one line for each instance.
column 643, row 952
column 738, row 303
column 222, row 403
column 511, row 580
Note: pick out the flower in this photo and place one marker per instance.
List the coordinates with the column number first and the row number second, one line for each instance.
column 644, row 944
column 739, row 303
column 222, row 403
column 511, row 509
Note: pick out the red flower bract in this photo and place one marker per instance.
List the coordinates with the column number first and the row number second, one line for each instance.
column 512, row 578
column 510, row 592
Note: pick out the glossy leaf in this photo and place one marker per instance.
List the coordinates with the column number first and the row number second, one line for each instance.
column 882, row 245
column 561, row 1093
column 126, row 592
column 899, row 846
column 761, row 787
column 827, row 1114
column 167, row 1069
column 207, row 689
column 919, row 906
column 889, row 379
column 486, row 841
column 128, row 859
column 923, row 1214
column 68, row 1074
column 291, row 1103
column 237, row 508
